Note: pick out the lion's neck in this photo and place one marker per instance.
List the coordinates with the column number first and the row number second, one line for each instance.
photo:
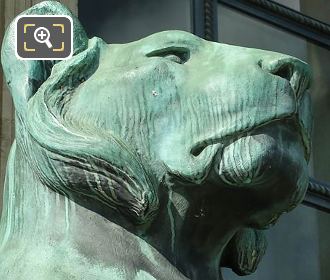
column 51, row 234
column 180, row 233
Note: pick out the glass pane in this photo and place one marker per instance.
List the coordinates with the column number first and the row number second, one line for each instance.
column 319, row 59
column 293, row 4
column 293, row 249
column 238, row 29
column 318, row 9
column 123, row 21
column 299, row 245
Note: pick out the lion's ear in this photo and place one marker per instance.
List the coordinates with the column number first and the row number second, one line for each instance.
column 24, row 77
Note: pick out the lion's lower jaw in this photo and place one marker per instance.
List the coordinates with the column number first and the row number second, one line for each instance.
column 270, row 159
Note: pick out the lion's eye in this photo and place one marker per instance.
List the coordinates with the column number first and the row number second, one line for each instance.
column 176, row 54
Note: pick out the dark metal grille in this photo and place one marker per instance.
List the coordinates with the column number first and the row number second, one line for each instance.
column 204, row 19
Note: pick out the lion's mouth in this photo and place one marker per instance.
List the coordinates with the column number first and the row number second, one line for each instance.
column 274, row 153
column 297, row 118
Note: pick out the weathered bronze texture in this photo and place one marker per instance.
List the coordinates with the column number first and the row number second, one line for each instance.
column 163, row 158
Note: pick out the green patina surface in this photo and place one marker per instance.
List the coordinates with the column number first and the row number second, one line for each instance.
column 163, row 158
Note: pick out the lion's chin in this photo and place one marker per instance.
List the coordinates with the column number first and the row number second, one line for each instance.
column 270, row 162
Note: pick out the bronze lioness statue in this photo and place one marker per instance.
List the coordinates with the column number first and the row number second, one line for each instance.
column 163, row 158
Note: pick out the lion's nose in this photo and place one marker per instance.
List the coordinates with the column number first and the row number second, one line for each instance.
column 297, row 72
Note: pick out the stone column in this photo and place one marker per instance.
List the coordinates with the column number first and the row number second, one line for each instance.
column 8, row 10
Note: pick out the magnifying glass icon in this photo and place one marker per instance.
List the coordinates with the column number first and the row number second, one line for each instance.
column 42, row 35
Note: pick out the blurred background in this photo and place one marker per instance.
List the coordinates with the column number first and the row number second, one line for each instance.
column 299, row 245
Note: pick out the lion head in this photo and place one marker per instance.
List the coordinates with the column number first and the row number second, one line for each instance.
column 182, row 141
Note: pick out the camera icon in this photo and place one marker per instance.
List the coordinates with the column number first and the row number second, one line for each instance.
column 40, row 37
